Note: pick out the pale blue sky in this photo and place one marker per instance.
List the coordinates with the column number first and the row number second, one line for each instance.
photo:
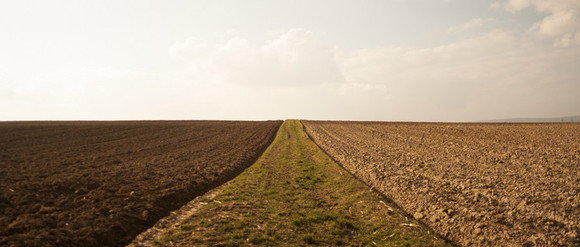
column 354, row 60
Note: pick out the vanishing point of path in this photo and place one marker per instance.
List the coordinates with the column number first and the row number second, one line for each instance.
column 295, row 195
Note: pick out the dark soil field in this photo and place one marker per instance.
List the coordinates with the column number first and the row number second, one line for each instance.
column 102, row 183
column 477, row 184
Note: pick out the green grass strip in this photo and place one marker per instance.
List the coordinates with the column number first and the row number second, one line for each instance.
column 295, row 195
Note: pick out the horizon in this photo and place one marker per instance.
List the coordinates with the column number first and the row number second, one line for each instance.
column 396, row 61
column 517, row 120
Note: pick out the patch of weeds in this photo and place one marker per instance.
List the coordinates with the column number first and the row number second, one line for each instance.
column 187, row 227
column 166, row 239
column 301, row 178
column 271, row 193
column 234, row 243
column 307, row 181
column 298, row 219
column 338, row 242
column 206, row 223
column 235, row 236
column 229, row 225
column 309, row 239
column 319, row 216
column 343, row 225
column 258, row 239
column 316, row 217
column 272, row 233
column 307, row 169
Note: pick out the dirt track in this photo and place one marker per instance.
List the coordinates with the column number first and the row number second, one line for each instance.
column 478, row 184
column 102, row 183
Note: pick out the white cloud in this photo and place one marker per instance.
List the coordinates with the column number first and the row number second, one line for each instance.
column 490, row 75
column 191, row 49
column 544, row 6
column 294, row 58
column 473, row 23
column 558, row 23
column 562, row 21
column 512, row 5
column 568, row 40
column 293, row 74
column 493, row 75
column 396, row 64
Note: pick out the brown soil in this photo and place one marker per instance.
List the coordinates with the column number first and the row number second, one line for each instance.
column 478, row 184
column 102, row 183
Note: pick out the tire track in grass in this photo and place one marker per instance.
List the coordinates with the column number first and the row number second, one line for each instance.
column 296, row 195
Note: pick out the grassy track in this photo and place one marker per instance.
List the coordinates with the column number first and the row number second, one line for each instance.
column 295, row 195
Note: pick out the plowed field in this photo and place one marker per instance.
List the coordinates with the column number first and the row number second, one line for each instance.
column 102, row 183
column 478, row 184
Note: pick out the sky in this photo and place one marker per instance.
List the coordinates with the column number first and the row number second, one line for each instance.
column 384, row 60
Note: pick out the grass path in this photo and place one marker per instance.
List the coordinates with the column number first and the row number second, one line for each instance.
column 295, row 195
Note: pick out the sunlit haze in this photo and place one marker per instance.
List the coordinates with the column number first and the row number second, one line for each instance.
column 398, row 60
